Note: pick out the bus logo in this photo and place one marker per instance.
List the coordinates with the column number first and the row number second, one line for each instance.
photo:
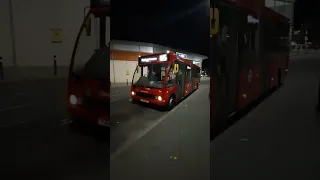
column 214, row 21
column 176, row 68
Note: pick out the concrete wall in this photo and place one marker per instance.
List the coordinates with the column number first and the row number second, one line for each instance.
column 32, row 21
column 6, row 50
column 27, row 49
column 122, row 71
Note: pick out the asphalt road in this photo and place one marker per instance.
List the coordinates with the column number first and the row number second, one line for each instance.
column 163, row 145
column 37, row 140
column 280, row 138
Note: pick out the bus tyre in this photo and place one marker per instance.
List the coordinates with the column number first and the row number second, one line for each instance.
column 171, row 103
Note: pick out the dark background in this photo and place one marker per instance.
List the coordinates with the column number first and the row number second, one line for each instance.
column 307, row 16
column 182, row 24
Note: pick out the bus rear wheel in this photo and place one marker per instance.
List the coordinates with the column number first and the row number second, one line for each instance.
column 171, row 103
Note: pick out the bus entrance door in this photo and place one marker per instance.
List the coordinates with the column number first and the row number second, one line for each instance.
column 180, row 80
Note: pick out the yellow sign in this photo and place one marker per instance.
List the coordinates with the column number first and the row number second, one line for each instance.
column 214, row 21
column 127, row 73
column 176, row 68
column 56, row 35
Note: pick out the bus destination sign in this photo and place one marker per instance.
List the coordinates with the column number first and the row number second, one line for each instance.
column 150, row 59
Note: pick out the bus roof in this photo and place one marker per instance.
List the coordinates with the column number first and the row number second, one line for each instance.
column 272, row 14
column 173, row 57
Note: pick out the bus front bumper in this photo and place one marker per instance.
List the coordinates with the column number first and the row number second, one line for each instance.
column 148, row 101
column 89, row 116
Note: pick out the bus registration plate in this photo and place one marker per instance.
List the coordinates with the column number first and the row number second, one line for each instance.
column 145, row 101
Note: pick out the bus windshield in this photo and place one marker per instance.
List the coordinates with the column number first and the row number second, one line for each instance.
column 150, row 75
column 89, row 60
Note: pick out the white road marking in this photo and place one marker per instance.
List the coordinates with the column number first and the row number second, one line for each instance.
column 15, row 107
column 65, row 122
column 14, row 124
column 142, row 133
column 114, row 95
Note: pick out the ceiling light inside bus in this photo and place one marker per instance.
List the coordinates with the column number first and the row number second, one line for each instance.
column 73, row 100
column 163, row 57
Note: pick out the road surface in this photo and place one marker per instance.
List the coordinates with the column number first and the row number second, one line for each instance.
column 164, row 145
column 37, row 140
column 280, row 138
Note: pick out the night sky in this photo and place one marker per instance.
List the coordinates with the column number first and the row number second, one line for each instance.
column 307, row 12
column 182, row 24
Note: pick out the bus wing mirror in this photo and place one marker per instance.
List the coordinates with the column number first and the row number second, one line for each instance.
column 88, row 26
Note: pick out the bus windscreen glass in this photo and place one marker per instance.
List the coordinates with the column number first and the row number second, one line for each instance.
column 150, row 75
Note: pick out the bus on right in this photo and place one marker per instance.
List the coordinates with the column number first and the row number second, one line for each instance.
column 249, row 57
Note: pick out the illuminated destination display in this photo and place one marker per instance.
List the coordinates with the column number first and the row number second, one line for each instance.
column 148, row 59
column 163, row 57
column 184, row 56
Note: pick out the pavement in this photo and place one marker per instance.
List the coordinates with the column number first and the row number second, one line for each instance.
column 38, row 141
column 294, row 52
column 280, row 138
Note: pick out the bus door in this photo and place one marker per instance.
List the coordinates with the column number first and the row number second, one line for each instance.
column 231, row 21
column 227, row 62
column 189, row 80
column 180, row 78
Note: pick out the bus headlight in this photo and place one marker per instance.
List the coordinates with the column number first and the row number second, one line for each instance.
column 133, row 93
column 159, row 98
column 73, row 100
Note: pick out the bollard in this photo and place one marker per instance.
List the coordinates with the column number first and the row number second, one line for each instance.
column 318, row 106
column 127, row 82
column 1, row 68
column 55, row 65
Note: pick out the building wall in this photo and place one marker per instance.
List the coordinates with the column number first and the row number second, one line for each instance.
column 6, row 50
column 27, row 40
column 33, row 20
column 122, row 65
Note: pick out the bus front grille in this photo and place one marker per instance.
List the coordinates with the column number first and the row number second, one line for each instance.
column 145, row 95
column 95, row 103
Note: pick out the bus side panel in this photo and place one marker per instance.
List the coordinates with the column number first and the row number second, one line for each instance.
column 272, row 71
column 196, row 82
column 257, row 82
column 187, row 88
column 213, row 108
column 243, row 89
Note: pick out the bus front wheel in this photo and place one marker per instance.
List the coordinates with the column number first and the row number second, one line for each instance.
column 171, row 103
